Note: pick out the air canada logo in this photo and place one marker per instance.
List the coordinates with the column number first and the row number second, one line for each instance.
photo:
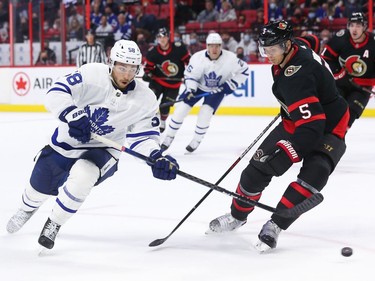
column 21, row 84
column 98, row 118
column 355, row 66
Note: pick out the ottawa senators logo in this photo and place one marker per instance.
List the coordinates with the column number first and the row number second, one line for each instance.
column 169, row 68
column 354, row 65
column 290, row 70
column 282, row 25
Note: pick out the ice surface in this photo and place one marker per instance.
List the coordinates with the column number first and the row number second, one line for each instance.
column 108, row 238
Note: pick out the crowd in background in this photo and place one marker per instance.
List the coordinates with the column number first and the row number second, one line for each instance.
column 113, row 20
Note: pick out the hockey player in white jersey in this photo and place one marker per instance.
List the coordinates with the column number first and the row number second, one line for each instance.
column 214, row 71
column 98, row 98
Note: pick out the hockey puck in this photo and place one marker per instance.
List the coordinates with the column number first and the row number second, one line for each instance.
column 346, row 251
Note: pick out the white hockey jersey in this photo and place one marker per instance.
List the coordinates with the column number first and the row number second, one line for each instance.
column 130, row 116
column 208, row 75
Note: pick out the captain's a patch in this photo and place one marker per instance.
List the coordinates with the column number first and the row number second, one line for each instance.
column 290, row 70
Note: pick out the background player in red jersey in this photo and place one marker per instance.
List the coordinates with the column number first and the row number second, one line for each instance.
column 164, row 69
column 351, row 57
column 314, row 122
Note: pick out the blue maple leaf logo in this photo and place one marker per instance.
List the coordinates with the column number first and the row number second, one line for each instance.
column 212, row 80
column 98, row 119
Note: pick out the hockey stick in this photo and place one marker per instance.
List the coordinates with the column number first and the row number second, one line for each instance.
column 169, row 103
column 372, row 93
column 160, row 241
column 288, row 213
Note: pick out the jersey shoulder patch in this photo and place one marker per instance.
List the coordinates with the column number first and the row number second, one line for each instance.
column 292, row 69
column 340, row 33
column 177, row 44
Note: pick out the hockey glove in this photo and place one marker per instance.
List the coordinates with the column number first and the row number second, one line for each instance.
column 280, row 159
column 226, row 88
column 165, row 167
column 79, row 124
column 188, row 95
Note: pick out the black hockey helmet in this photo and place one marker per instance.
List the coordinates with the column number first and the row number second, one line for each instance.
column 358, row 17
column 275, row 32
column 162, row 32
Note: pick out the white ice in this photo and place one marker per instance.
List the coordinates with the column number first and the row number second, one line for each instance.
column 108, row 238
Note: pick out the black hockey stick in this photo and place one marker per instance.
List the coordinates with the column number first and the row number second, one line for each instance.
column 160, row 241
column 172, row 102
column 359, row 87
column 294, row 212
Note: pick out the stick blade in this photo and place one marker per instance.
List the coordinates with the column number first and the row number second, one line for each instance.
column 157, row 242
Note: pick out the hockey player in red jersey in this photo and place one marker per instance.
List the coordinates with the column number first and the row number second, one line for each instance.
column 312, row 130
column 164, row 69
column 351, row 57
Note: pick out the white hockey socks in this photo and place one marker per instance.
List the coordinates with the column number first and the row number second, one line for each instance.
column 83, row 176
column 32, row 199
column 177, row 119
column 203, row 122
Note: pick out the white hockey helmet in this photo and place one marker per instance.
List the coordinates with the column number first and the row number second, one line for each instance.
column 214, row 38
column 125, row 51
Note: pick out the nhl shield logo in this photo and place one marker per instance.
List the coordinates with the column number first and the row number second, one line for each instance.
column 290, row 70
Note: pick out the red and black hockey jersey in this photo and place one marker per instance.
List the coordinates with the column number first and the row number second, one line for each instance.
column 310, row 40
column 357, row 59
column 310, row 103
column 167, row 66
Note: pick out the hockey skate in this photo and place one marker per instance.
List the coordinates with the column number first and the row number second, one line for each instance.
column 268, row 237
column 18, row 220
column 48, row 235
column 193, row 145
column 167, row 142
column 224, row 223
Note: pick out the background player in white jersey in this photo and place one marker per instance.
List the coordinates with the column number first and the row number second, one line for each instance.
column 214, row 71
column 105, row 100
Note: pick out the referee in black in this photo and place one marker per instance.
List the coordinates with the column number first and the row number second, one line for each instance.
column 91, row 51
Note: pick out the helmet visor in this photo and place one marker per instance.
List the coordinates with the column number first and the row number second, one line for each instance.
column 132, row 69
column 272, row 51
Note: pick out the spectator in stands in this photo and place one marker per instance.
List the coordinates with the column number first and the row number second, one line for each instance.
column 111, row 17
column 46, row 55
column 241, row 54
column 298, row 18
column 258, row 24
column 53, row 33
column 229, row 43
column 351, row 6
column 184, row 13
column 95, row 14
column 104, row 29
column 124, row 9
column 324, row 36
column 209, row 13
column 227, row 13
column 143, row 45
column 114, row 6
column 73, row 14
column 4, row 33
column 239, row 5
column 194, row 44
column 75, row 30
column 249, row 45
column 4, row 14
column 144, row 23
column 290, row 9
column 91, row 51
column 256, row 4
column 274, row 11
column 123, row 30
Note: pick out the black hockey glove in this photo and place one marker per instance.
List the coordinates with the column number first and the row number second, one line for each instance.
column 165, row 167
column 226, row 88
column 281, row 159
column 79, row 124
column 147, row 77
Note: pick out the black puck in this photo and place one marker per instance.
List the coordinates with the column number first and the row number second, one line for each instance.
column 346, row 251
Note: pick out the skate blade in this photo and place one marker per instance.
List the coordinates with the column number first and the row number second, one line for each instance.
column 261, row 247
column 43, row 251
